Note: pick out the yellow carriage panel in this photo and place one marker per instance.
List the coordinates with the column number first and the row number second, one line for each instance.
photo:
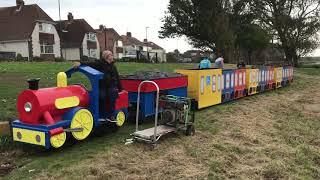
column 278, row 76
column 252, row 81
column 204, row 85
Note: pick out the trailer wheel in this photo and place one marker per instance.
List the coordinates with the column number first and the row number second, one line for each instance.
column 190, row 131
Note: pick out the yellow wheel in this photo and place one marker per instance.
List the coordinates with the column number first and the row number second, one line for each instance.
column 58, row 140
column 121, row 117
column 82, row 120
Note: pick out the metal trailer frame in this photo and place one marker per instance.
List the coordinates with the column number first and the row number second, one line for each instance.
column 152, row 135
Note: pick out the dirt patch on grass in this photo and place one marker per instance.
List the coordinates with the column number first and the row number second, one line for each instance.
column 7, row 161
column 10, row 78
column 138, row 162
column 312, row 107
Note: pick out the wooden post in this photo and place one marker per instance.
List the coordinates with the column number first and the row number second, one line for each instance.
column 4, row 128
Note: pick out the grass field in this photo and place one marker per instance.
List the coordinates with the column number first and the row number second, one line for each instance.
column 274, row 135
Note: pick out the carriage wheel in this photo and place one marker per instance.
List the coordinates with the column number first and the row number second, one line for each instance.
column 82, row 119
column 121, row 118
column 58, row 140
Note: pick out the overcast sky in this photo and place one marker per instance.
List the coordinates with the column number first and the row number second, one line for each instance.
column 122, row 15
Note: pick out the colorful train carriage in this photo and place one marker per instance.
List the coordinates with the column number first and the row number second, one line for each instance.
column 47, row 115
column 285, row 76
column 290, row 78
column 204, row 85
column 228, row 76
column 278, row 77
column 262, row 79
column 251, row 81
column 239, row 83
column 270, row 78
column 173, row 84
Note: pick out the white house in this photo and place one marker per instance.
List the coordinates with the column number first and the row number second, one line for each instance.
column 155, row 51
column 29, row 31
column 131, row 45
column 78, row 39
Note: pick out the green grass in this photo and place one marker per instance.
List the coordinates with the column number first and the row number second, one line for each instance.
column 266, row 136
column 309, row 71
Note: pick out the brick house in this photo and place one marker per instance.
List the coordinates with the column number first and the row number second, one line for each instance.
column 110, row 40
column 78, row 39
column 29, row 31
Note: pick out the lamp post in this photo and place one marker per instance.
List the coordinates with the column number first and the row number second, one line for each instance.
column 147, row 33
column 60, row 29
column 147, row 42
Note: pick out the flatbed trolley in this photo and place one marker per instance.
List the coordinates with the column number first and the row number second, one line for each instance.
column 177, row 114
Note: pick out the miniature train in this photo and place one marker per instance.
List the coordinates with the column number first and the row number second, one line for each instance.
column 47, row 115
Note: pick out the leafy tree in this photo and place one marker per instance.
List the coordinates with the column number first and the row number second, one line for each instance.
column 204, row 22
column 249, row 36
column 221, row 25
column 294, row 23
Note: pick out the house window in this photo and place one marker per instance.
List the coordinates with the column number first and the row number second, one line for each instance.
column 46, row 49
column 40, row 27
column 45, row 28
column 92, row 53
column 91, row 37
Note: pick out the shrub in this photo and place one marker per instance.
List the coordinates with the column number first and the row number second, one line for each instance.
column 37, row 58
column 59, row 59
column 19, row 57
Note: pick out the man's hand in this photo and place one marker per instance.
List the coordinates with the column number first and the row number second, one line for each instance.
column 76, row 64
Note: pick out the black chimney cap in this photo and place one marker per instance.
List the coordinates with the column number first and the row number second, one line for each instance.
column 33, row 83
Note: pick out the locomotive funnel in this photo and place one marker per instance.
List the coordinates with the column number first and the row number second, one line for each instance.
column 33, row 83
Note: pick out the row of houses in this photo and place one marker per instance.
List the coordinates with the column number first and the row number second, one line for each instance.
column 28, row 30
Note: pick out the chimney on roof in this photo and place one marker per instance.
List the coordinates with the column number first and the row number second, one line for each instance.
column 70, row 16
column 129, row 34
column 20, row 4
column 101, row 27
column 145, row 40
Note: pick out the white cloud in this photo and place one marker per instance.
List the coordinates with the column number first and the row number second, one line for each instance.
column 122, row 15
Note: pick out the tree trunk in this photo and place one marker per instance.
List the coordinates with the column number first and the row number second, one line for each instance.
column 295, row 59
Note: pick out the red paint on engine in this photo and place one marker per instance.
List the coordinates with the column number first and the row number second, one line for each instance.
column 43, row 100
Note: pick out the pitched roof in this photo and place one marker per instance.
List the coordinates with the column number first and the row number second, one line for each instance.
column 153, row 45
column 110, row 31
column 19, row 24
column 73, row 32
column 127, row 41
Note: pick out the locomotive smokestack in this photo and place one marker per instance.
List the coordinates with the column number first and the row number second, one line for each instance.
column 33, row 83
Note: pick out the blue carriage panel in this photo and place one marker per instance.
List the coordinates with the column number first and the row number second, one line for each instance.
column 285, row 75
column 262, row 79
column 228, row 81
column 181, row 92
